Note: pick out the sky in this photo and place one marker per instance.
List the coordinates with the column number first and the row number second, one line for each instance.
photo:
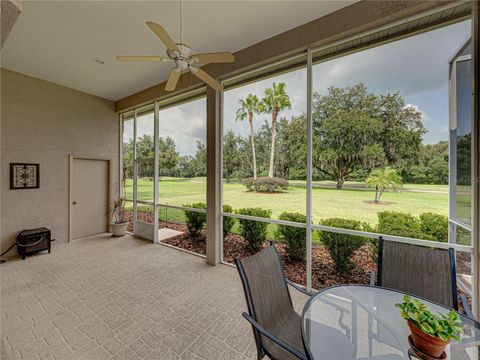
column 415, row 67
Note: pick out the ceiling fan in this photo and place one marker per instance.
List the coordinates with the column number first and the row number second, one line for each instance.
column 183, row 57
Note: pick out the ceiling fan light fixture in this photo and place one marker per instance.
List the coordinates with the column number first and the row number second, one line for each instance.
column 184, row 58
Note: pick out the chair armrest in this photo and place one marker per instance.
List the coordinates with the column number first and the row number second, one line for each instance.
column 466, row 307
column 373, row 274
column 273, row 338
column 299, row 288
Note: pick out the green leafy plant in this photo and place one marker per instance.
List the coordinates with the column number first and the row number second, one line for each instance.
column 275, row 100
column 195, row 220
column 441, row 326
column 255, row 232
column 341, row 247
column 435, row 225
column 265, row 184
column 228, row 222
column 401, row 224
column 295, row 238
column 382, row 179
column 251, row 105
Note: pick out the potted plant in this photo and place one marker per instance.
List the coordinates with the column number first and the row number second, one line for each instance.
column 118, row 226
column 431, row 333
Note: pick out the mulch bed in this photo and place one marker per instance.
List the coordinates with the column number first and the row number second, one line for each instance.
column 184, row 241
column 323, row 272
column 142, row 216
column 464, row 263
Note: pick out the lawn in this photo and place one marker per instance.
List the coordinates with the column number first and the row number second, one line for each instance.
column 363, row 185
column 327, row 202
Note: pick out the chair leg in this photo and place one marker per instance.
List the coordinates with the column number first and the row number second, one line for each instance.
column 466, row 307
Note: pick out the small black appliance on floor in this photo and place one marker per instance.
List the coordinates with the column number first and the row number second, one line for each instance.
column 33, row 240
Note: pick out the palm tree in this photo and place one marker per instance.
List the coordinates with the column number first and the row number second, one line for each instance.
column 274, row 101
column 383, row 179
column 247, row 108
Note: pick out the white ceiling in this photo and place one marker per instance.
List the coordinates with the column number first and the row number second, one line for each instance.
column 56, row 40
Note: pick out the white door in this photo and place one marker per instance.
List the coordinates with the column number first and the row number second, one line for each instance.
column 89, row 197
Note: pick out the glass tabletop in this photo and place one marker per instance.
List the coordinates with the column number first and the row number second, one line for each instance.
column 362, row 322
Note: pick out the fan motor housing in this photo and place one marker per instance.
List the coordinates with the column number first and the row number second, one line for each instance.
column 183, row 60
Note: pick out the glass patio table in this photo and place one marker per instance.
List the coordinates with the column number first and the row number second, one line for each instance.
column 362, row 322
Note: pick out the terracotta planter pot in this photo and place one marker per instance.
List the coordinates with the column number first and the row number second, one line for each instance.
column 118, row 229
column 429, row 345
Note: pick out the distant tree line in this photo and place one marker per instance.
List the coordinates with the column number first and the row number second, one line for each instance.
column 355, row 132
column 171, row 163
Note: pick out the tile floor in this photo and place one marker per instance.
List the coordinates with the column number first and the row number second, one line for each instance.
column 121, row 298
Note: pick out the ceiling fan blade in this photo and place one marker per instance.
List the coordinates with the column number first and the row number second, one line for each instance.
column 142, row 58
column 172, row 80
column 207, row 79
column 218, row 57
column 162, row 35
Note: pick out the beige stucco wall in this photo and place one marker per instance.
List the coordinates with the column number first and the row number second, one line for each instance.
column 44, row 123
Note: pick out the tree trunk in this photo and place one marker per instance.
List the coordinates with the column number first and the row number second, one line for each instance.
column 380, row 192
column 252, row 140
column 377, row 198
column 340, row 181
column 274, row 135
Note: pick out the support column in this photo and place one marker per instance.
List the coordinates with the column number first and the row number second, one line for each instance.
column 309, row 167
column 156, row 173
column 214, row 136
column 476, row 159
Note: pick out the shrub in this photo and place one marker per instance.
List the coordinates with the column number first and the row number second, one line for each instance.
column 295, row 238
column 249, row 183
column 255, row 232
column 265, row 184
column 228, row 222
column 400, row 224
column 195, row 220
column 435, row 225
column 341, row 246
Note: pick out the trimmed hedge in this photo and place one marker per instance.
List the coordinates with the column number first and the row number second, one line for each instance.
column 255, row 232
column 195, row 220
column 341, row 246
column 265, row 184
column 435, row 225
column 228, row 222
column 401, row 224
column 295, row 238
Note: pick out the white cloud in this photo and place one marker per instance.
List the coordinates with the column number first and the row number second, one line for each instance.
column 415, row 67
column 444, row 130
column 185, row 124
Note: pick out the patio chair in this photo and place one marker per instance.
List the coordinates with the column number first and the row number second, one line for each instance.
column 427, row 272
column 275, row 323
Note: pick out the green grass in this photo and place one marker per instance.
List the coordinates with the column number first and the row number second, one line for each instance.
column 363, row 185
column 327, row 202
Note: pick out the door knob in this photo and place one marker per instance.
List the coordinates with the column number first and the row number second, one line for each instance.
column 74, row 203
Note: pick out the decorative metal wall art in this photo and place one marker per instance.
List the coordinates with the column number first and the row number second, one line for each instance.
column 24, row 176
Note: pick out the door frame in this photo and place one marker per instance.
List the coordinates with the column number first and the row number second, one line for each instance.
column 71, row 158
